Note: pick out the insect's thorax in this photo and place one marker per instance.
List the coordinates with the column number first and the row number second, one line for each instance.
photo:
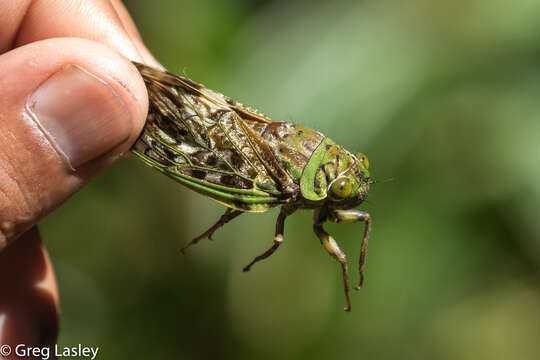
column 313, row 162
column 292, row 145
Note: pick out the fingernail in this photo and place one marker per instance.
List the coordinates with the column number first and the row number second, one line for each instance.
column 80, row 114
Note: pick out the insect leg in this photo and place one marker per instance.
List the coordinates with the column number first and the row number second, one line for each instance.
column 225, row 218
column 333, row 249
column 278, row 238
column 354, row 216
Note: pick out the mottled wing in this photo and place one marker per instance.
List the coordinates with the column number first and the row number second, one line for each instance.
column 209, row 143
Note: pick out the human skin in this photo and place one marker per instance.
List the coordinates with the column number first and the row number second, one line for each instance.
column 70, row 104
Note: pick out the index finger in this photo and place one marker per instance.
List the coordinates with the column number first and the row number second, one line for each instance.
column 26, row 21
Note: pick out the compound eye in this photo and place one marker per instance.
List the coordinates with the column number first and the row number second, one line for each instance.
column 341, row 188
column 363, row 159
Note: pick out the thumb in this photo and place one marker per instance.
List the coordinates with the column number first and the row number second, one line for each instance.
column 68, row 108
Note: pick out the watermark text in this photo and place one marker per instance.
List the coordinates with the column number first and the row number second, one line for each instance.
column 23, row 351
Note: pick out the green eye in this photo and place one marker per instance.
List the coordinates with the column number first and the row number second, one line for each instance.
column 341, row 188
column 363, row 159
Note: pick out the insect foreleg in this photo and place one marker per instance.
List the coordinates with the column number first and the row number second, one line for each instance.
column 225, row 218
column 354, row 216
column 333, row 249
column 278, row 238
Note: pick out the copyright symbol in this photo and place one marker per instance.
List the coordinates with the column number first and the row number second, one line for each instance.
column 5, row 350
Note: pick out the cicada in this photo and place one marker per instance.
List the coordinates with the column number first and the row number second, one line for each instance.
column 249, row 163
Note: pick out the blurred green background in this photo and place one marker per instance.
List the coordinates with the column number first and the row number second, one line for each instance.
column 444, row 98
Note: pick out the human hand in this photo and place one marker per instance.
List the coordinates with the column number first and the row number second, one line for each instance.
column 70, row 104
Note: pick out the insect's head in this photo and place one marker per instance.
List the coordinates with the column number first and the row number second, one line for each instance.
column 351, row 186
column 336, row 176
